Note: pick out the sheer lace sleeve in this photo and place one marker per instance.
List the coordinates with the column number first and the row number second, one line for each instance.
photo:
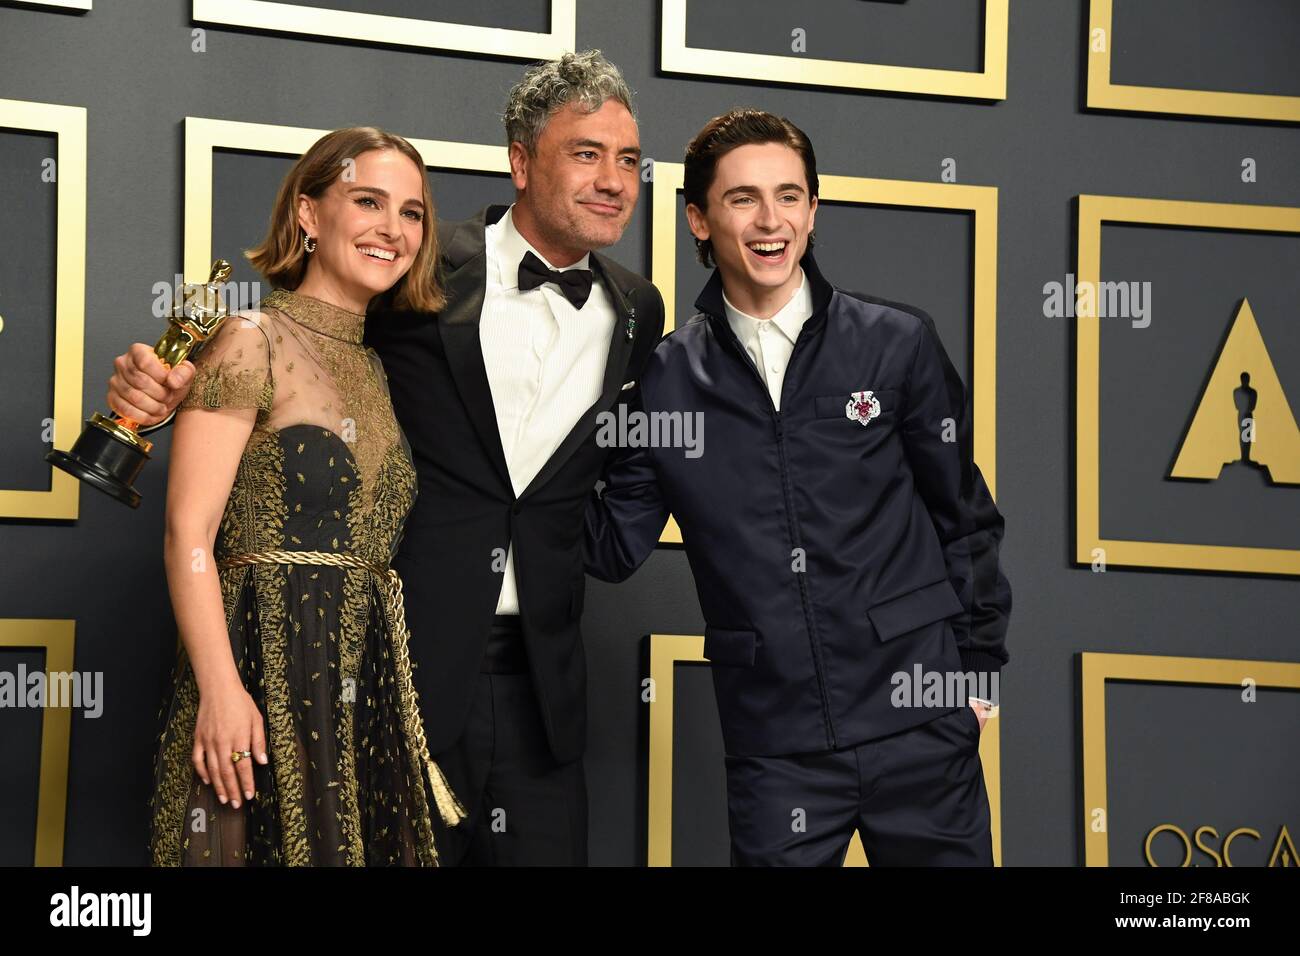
column 233, row 370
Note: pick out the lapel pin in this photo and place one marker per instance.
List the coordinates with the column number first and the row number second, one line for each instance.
column 631, row 324
column 862, row 407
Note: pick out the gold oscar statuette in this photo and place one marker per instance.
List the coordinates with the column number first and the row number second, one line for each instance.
column 111, row 452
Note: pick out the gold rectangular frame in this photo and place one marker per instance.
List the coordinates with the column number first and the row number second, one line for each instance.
column 668, row 650
column 981, row 201
column 68, row 123
column 1103, row 94
column 1098, row 668
column 57, row 638
column 204, row 136
column 1093, row 211
column 989, row 84
column 281, row 17
column 76, row 5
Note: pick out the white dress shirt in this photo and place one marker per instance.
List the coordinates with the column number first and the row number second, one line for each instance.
column 770, row 342
column 545, row 363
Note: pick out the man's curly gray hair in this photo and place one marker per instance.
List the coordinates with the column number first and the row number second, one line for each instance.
column 587, row 78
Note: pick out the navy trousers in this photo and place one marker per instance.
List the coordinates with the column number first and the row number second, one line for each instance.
column 917, row 798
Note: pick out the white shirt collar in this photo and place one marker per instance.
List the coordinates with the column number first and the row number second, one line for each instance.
column 789, row 319
column 510, row 249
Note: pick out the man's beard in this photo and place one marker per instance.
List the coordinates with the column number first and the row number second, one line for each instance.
column 588, row 235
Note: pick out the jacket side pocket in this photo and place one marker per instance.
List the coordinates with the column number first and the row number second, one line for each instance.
column 914, row 609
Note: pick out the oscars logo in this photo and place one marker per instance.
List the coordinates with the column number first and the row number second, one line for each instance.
column 1243, row 421
column 1284, row 854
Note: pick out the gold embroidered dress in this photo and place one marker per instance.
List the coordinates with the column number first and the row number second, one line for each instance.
column 321, row 649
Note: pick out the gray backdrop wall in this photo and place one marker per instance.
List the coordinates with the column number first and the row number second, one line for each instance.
column 1177, row 753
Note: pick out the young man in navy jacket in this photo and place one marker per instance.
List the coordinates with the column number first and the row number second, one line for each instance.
column 843, row 542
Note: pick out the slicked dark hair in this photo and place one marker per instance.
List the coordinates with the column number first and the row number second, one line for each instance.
column 722, row 134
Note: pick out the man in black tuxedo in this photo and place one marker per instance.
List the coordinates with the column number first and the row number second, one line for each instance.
column 843, row 541
column 498, row 396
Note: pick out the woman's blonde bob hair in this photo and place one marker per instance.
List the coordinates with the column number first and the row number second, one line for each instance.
column 281, row 259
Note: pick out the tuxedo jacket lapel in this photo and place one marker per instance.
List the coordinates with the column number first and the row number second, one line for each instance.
column 465, row 258
column 464, row 255
column 620, row 350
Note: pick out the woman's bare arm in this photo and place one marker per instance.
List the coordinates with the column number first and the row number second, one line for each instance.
column 206, row 449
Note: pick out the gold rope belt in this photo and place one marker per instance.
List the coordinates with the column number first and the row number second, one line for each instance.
column 448, row 806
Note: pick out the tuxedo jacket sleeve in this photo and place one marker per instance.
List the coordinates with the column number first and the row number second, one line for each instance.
column 938, row 438
column 624, row 520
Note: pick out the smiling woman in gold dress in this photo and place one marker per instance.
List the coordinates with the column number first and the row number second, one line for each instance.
column 293, row 735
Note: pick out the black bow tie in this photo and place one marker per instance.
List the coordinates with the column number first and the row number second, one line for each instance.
column 574, row 283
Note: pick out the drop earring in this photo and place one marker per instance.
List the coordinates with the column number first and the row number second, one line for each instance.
column 308, row 243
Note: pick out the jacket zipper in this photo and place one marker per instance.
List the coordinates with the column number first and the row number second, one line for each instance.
column 793, row 528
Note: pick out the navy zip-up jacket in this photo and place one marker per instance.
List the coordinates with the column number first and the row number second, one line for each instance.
column 839, row 565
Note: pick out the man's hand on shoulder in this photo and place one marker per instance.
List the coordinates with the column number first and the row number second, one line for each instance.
column 145, row 390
